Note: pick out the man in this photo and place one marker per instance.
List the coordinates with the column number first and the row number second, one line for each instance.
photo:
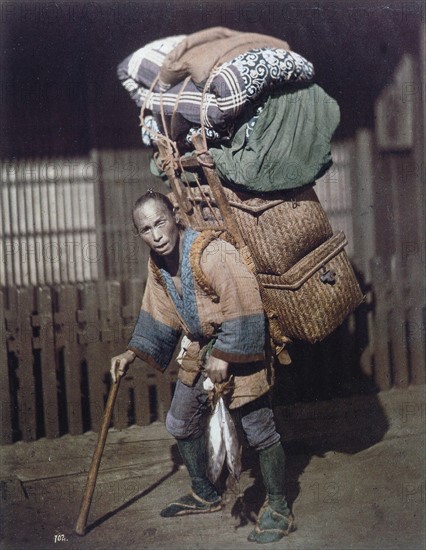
column 197, row 284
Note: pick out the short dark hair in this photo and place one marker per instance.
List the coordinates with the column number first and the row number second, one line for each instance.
column 155, row 196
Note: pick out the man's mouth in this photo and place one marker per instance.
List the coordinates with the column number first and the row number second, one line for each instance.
column 161, row 247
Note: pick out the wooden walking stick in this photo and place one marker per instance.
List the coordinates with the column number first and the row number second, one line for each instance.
column 80, row 527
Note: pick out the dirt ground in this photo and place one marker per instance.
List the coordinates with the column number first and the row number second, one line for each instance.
column 355, row 478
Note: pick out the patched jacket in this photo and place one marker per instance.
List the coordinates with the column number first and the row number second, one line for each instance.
column 220, row 302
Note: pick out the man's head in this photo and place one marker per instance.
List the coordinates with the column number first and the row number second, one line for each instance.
column 155, row 222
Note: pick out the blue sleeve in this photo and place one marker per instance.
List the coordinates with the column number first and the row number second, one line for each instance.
column 153, row 341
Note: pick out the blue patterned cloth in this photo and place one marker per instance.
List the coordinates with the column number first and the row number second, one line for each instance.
column 153, row 340
column 186, row 304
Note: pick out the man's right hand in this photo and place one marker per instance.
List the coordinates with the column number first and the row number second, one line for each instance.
column 120, row 364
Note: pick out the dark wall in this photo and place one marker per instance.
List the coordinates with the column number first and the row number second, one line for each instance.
column 60, row 94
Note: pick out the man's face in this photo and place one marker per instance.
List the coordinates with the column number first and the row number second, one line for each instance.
column 157, row 227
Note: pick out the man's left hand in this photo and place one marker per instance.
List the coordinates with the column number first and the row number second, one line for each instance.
column 216, row 369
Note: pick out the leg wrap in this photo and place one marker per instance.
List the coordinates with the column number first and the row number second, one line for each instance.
column 204, row 497
column 275, row 520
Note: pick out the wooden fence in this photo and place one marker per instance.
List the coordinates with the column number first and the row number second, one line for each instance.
column 55, row 365
column 59, row 341
column 58, row 338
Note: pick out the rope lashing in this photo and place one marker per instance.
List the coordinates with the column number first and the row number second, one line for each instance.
column 204, row 158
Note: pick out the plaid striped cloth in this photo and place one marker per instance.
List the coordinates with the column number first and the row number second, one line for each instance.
column 230, row 88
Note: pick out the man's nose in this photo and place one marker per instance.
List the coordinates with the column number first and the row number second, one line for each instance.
column 156, row 234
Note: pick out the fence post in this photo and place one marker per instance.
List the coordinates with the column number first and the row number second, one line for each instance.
column 5, row 400
column 65, row 319
column 24, row 351
column 90, row 337
column 363, row 202
column 381, row 337
column 130, row 314
column 45, row 342
column 112, row 343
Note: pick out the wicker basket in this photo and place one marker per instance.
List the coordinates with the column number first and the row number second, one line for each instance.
column 314, row 297
column 291, row 243
column 279, row 230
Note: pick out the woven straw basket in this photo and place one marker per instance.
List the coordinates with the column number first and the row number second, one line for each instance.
column 304, row 269
column 315, row 296
column 279, row 231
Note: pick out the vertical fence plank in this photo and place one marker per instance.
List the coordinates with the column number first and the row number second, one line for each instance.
column 139, row 370
column 415, row 325
column 397, row 333
column 363, row 202
column 382, row 302
column 111, row 336
column 401, row 227
column 90, row 337
column 416, row 316
column 48, row 362
column 5, row 397
column 24, row 351
column 66, row 329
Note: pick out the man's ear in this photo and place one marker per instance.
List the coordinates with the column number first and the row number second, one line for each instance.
column 176, row 216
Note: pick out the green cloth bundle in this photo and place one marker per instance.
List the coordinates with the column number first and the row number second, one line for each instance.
column 287, row 147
